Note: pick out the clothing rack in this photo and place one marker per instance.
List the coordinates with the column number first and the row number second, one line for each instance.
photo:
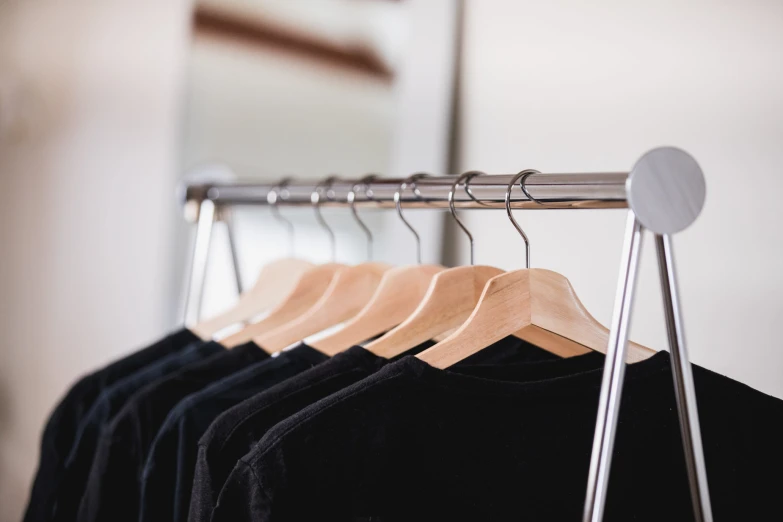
column 596, row 190
column 664, row 192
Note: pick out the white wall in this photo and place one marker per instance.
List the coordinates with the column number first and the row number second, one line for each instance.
column 88, row 144
column 565, row 86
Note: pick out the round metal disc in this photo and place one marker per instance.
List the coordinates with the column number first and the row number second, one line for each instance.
column 666, row 190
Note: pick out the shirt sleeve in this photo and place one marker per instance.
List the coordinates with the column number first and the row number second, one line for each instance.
column 109, row 493
column 159, row 476
column 242, row 498
column 185, row 466
column 204, row 495
column 56, row 442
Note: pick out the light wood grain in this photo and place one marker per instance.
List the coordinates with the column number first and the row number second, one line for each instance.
column 557, row 309
column 349, row 291
column 307, row 291
column 399, row 293
column 512, row 302
column 554, row 343
column 450, row 299
column 274, row 282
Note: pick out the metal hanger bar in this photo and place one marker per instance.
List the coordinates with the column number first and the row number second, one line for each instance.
column 614, row 373
column 198, row 264
column 228, row 221
column 684, row 389
column 595, row 190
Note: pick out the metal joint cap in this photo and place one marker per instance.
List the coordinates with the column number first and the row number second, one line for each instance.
column 666, row 190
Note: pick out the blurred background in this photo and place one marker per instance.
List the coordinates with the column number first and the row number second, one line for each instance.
column 105, row 107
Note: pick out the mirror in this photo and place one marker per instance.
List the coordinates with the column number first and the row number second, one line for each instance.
column 311, row 89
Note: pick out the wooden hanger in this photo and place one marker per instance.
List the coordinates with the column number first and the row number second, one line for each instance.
column 449, row 301
column 398, row 294
column 536, row 305
column 531, row 304
column 349, row 291
column 307, row 291
column 275, row 281
column 278, row 283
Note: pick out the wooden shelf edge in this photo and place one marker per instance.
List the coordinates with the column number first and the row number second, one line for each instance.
column 255, row 32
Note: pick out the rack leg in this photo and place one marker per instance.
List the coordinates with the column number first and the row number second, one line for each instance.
column 228, row 220
column 683, row 383
column 198, row 265
column 614, row 372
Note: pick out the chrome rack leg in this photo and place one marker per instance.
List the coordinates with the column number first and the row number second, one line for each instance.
column 227, row 219
column 614, row 372
column 683, row 383
column 198, row 265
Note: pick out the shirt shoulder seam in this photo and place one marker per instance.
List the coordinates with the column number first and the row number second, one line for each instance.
column 263, row 409
column 300, row 422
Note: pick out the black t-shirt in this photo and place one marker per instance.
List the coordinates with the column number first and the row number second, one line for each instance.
column 168, row 473
column 60, row 431
column 236, row 431
column 112, row 491
column 69, row 488
column 413, row 442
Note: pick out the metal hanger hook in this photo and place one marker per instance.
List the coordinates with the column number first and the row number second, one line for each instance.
column 522, row 186
column 272, row 198
column 470, row 191
column 315, row 199
column 410, row 181
column 466, row 177
column 523, row 176
column 364, row 182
